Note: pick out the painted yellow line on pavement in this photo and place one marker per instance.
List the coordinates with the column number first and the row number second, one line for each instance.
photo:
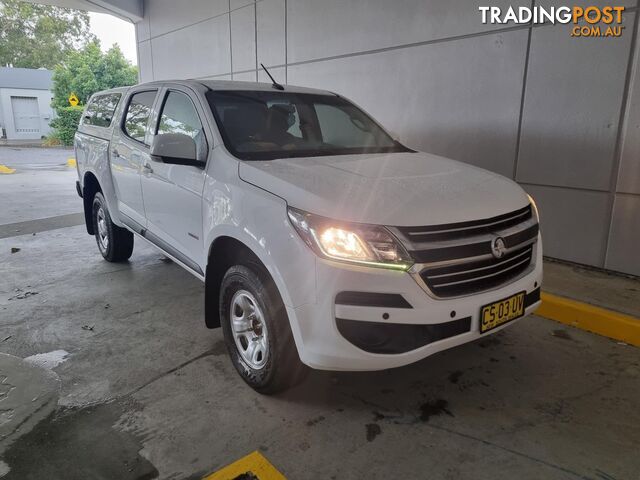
column 254, row 463
column 591, row 318
column 71, row 162
column 6, row 170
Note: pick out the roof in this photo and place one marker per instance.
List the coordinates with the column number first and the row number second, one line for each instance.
column 219, row 85
column 26, row 78
column 237, row 85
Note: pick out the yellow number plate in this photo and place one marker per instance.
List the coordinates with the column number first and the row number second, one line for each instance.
column 501, row 312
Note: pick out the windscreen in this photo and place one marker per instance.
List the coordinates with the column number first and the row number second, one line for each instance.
column 257, row 125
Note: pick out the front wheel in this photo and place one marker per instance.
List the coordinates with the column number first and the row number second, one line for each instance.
column 115, row 243
column 257, row 332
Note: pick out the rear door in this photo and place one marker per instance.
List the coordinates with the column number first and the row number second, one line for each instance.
column 173, row 193
column 94, row 133
column 129, row 152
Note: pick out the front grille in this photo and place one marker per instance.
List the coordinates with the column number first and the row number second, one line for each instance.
column 458, row 230
column 472, row 277
column 456, row 259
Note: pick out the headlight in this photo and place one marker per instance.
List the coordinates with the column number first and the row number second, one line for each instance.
column 534, row 207
column 350, row 242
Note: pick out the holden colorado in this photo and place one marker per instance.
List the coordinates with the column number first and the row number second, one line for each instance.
column 323, row 241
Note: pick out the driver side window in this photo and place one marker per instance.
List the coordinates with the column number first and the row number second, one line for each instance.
column 179, row 115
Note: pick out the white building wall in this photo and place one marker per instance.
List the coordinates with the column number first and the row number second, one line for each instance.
column 556, row 113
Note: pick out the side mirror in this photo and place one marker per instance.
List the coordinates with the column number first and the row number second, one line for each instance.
column 176, row 148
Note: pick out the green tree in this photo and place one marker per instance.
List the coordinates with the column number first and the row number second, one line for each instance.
column 90, row 70
column 85, row 72
column 40, row 36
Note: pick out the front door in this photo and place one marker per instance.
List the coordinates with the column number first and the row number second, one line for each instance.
column 129, row 152
column 173, row 193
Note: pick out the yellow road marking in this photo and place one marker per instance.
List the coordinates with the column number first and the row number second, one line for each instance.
column 7, row 170
column 591, row 318
column 71, row 162
column 254, row 463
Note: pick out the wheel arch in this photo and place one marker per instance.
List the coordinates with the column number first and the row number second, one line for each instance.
column 224, row 252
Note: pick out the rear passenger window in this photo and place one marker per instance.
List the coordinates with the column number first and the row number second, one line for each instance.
column 100, row 110
column 137, row 118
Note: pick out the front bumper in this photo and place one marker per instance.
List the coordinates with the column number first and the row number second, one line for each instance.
column 320, row 333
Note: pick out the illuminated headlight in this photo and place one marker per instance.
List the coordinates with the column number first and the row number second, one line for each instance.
column 350, row 242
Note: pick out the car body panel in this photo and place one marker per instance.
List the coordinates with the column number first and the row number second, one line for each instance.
column 91, row 147
column 400, row 189
column 172, row 195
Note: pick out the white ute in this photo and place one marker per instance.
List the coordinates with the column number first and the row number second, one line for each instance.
column 322, row 241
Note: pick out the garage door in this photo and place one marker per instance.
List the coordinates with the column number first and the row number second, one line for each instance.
column 26, row 115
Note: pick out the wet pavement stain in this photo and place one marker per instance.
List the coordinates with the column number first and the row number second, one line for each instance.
column 434, row 408
column 78, row 444
column 563, row 334
column 373, row 430
column 455, row 376
column 219, row 348
column 315, row 421
column 378, row 416
column 489, row 342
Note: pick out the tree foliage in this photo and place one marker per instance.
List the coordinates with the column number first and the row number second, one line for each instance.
column 40, row 36
column 90, row 70
column 85, row 72
column 66, row 123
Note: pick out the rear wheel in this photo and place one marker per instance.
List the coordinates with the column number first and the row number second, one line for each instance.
column 257, row 331
column 115, row 243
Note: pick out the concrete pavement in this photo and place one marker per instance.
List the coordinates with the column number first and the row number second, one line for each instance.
column 148, row 392
column 42, row 185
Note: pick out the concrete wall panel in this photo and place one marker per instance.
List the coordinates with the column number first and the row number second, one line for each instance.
column 464, row 106
column 196, row 51
column 319, row 29
column 432, row 72
column 586, row 3
column 629, row 173
column 168, row 15
column 142, row 30
column 145, row 66
column 235, row 4
column 271, row 28
column 574, row 223
column 624, row 242
column 572, row 108
column 243, row 38
column 279, row 74
column 245, row 76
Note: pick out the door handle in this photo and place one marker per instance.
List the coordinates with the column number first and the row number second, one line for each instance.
column 115, row 153
column 147, row 168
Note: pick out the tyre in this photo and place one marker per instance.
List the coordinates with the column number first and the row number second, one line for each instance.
column 257, row 332
column 115, row 243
